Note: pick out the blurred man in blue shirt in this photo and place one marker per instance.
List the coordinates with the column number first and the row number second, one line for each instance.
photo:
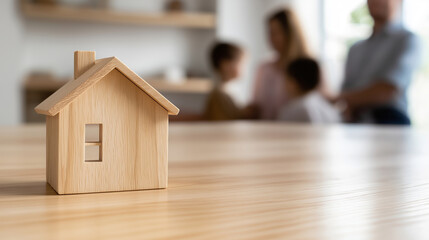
column 379, row 69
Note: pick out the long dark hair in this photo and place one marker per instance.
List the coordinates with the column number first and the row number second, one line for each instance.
column 296, row 46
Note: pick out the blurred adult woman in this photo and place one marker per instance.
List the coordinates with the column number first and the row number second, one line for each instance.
column 288, row 43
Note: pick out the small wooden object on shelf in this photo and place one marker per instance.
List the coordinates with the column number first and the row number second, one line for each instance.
column 36, row 88
column 174, row 6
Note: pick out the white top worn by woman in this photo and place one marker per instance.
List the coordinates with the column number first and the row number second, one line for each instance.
column 310, row 108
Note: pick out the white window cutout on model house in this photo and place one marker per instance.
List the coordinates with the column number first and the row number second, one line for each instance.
column 93, row 142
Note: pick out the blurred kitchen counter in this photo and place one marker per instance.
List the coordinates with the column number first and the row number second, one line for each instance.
column 239, row 180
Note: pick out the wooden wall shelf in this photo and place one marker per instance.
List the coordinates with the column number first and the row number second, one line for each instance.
column 58, row 12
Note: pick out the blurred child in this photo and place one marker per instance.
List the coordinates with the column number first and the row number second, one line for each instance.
column 226, row 60
column 305, row 103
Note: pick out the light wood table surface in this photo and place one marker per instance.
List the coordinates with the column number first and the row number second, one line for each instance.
column 235, row 181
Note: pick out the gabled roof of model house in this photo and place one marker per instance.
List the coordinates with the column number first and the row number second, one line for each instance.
column 73, row 89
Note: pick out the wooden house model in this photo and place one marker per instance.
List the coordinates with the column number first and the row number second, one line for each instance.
column 106, row 130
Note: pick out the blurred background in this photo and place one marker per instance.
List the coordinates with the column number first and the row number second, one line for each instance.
column 168, row 42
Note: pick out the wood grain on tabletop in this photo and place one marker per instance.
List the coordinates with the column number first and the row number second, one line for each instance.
column 235, row 181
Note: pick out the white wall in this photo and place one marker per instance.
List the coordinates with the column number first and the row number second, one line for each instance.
column 147, row 50
column 10, row 65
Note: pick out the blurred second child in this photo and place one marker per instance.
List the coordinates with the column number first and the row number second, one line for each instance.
column 305, row 103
